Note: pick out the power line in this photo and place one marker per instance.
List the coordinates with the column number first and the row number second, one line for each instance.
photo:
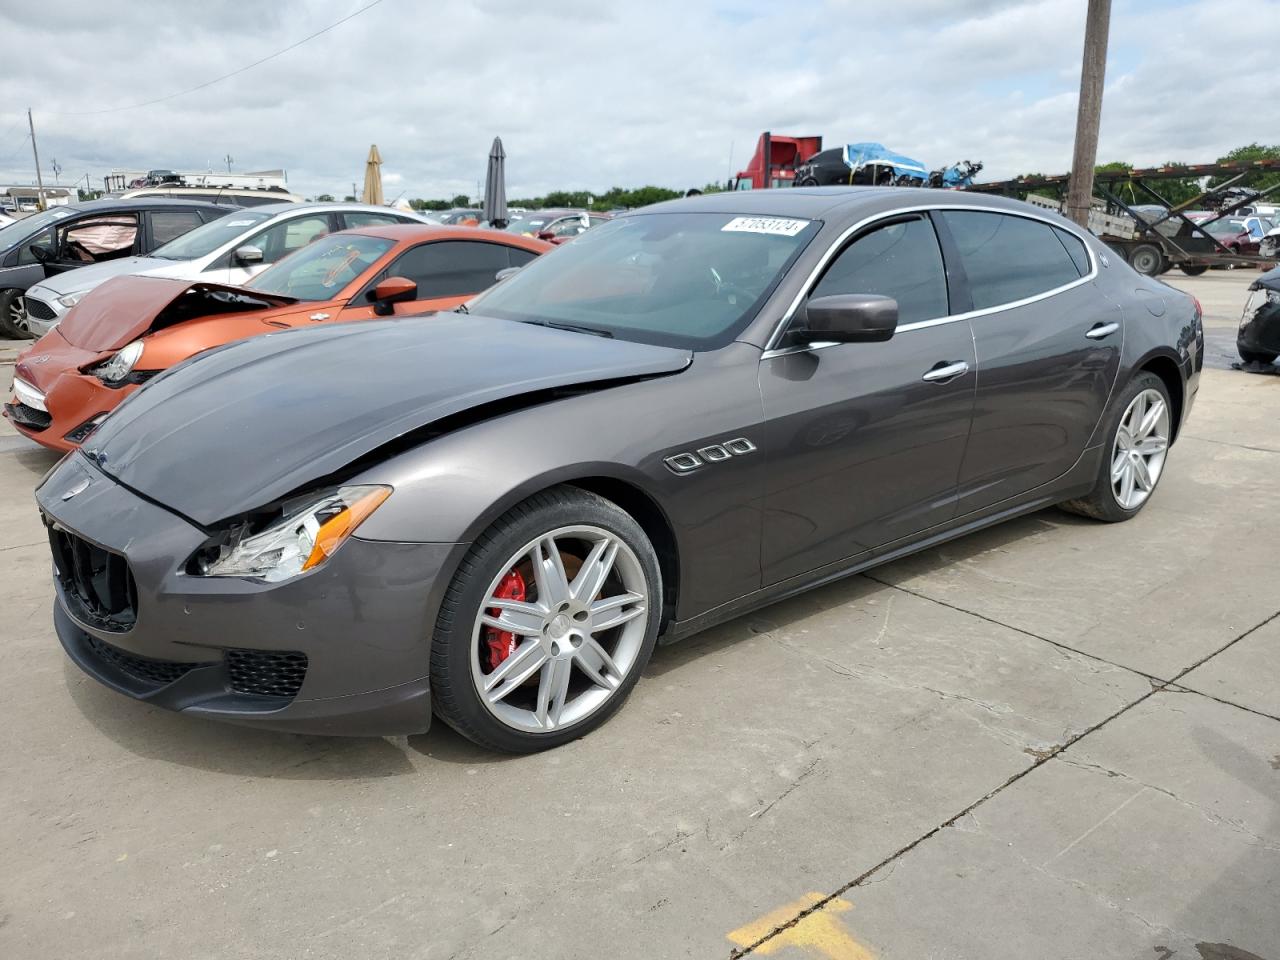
column 226, row 76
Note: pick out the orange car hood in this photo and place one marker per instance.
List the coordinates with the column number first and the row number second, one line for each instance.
column 124, row 308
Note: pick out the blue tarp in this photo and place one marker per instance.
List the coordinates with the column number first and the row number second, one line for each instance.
column 954, row 176
column 858, row 155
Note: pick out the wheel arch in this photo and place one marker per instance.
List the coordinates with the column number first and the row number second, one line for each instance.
column 620, row 487
column 1169, row 371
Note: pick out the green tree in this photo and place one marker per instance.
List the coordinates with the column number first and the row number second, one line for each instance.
column 325, row 198
column 1245, row 154
column 461, row 200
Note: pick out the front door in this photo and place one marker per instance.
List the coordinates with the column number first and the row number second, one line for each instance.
column 865, row 440
column 1048, row 347
column 277, row 242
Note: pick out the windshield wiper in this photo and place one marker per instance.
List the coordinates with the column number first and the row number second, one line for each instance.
column 573, row 327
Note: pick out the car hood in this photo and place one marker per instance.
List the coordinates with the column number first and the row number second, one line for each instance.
column 86, row 278
column 242, row 426
column 125, row 308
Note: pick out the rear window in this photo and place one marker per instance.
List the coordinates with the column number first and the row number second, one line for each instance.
column 1008, row 258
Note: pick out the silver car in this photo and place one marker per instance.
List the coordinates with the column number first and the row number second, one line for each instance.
column 230, row 250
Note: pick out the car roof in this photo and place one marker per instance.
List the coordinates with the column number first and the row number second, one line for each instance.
column 413, row 232
column 828, row 203
column 140, row 203
column 337, row 206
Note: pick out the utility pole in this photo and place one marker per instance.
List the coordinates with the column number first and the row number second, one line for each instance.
column 1093, row 68
column 230, row 160
column 36, row 153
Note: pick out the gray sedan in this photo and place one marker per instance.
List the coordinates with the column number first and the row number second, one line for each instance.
column 689, row 412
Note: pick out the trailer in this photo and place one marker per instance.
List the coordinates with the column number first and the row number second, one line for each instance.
column 1154, row 241
column 774, row 162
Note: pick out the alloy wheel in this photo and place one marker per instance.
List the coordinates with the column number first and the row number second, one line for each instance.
column 560, row 629
column 1140, row 448
column 18, row 314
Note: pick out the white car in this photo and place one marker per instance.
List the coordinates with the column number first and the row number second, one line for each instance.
column 6, row 220
column 229, row 250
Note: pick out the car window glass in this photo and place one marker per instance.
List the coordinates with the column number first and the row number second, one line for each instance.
column 321, row 271
column 1075, row 249
column 24, row 252
column 452, row 268
column 98, row 238
column 205, row 240
column 901, row 260
column 519, row 257
column 168, row 225
column 369, row 219
column 569, row 227
column 1008, row 258
column 279, row 241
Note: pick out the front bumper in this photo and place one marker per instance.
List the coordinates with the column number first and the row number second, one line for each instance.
column 72, row 400
column 352, row 637
column 1260, row 328
column 42, row 313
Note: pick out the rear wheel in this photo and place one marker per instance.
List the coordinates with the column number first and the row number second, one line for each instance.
column 548, row 623
column 13, row 314
column 1193, row 269
column 1139, row 428
column 807, row 182
column 1147, row 259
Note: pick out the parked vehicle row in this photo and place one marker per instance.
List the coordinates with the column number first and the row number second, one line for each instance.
column 493, row 514
column 70, row 237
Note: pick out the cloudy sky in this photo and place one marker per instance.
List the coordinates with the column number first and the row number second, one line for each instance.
column 594, row 93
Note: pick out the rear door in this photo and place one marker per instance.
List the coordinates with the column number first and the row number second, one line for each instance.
column 1048, row 349
column 866, row 439
column 447, row 272
column 166, row 225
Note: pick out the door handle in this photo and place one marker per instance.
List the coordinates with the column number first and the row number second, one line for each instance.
column 948, row 371
column 1100, row 330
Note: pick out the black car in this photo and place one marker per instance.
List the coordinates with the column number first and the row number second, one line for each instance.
column 688, row 412
column 1258, row 340
column 64, row 238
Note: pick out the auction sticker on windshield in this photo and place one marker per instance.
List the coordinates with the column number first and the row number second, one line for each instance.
column 778, row 226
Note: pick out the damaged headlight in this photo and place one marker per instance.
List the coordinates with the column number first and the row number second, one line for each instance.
column 304, row 538
column 71, row 299
column 121, row 365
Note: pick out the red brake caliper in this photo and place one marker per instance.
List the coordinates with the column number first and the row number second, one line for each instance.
column 501, row 642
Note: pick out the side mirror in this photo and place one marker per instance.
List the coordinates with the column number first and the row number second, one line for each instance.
column 391, row 291
column 248, row 254
column 42, row 252
column 505, row 272
column 851, row 318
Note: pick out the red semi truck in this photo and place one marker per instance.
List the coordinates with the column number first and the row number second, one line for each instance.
column 775, row 160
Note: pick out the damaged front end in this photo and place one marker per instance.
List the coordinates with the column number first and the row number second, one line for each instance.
column 1258, row 339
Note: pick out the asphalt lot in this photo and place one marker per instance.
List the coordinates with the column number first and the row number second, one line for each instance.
column 1054, row 739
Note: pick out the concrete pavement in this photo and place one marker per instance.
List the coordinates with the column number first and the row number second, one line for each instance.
column 1052, row 739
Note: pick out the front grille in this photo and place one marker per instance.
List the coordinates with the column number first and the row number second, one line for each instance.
column 157, row 673
column 267, row 673
column 29, row 417
column 39, row 310
column 96, row 582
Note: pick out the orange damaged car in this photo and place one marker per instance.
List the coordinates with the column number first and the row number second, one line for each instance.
column 132, row 328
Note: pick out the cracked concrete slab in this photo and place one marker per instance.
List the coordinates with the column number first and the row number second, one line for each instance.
column 757, row 770
column 1155, row 594
column 1156, row 833
column 1245, row 674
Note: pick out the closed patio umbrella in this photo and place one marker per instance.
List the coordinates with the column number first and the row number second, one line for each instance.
column 495, row 186
column 373, row 178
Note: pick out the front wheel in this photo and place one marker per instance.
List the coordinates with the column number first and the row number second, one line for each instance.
column 548, row 623
column 1139, row 429
column 1256, row 356
column 13, row 314
column 1193, row 269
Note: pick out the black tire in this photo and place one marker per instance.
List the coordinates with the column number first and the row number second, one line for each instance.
column 1147, row 259
column 1256, row 356
column 1193, row 270
column 1100, row 503
column 454, row 696
column 807, row 182
column 7, row 328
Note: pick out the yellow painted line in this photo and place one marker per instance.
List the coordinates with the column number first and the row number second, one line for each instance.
column 820, row 933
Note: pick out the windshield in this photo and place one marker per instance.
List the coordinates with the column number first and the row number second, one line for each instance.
column 19, row 230
column 527, row 225
column 689, row 280
column 204, row 240
column 321, row 270
column 1225, row 227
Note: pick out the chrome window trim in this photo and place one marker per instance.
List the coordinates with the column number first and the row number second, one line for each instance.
column 772, row 350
